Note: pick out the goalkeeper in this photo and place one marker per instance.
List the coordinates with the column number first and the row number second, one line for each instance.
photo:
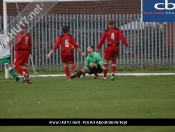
column 5, row 55
column 94, row 64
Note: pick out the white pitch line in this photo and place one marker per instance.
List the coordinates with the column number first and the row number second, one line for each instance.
column 117, row 74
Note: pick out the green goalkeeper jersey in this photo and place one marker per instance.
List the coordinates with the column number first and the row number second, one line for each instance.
column 95, row 58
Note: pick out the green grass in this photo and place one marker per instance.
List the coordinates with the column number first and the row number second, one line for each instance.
column 56, row 70
column 161, row 70
column 55, row 97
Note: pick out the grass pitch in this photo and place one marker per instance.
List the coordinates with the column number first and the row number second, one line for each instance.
column 55, row 97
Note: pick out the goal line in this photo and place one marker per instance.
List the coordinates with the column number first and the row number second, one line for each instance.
column 117, row 74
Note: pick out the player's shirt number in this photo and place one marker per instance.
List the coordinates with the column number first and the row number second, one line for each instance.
column 112, row 36
column 67, row 43
column 26, row 39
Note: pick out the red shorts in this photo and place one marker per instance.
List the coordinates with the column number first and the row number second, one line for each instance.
column 111, row 53
column 67, row 57
column 21, row 58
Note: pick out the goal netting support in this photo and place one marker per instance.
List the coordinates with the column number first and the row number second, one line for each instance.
column 31, row 14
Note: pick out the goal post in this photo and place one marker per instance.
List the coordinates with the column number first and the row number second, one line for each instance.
column 151, row 43
column 44, row 11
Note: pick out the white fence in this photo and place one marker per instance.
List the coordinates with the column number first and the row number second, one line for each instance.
column 152, row 44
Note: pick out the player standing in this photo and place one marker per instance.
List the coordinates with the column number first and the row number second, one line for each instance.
column 94, row 64
column 113, row 35
column 5, row 55
column 68, row 43
column 23, row 49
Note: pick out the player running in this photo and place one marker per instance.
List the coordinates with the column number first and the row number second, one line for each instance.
column 5, row 55
column 23, row 49
column 111, row 52
column 94, row 64
column 68, row 43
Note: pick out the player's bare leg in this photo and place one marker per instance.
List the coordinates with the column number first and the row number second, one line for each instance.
column 66, row 70
column 113, row 69
column 84, row 71
column 105, row 70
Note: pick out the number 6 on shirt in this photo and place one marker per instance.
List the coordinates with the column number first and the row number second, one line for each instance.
column 66, row 42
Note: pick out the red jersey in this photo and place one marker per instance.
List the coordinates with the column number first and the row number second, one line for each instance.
column 24, row 41
column 67, row 42
column 113, row 35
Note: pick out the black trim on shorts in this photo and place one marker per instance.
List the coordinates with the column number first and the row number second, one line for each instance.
column 97, row 70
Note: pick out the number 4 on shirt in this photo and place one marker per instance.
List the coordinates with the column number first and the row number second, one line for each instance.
column 112, row 36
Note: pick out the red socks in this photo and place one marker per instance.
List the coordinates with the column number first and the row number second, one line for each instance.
column 26, row 71
column 105, row 70
column 113, row 67
column 66, row 70
column 20, row 71
column 74, row 67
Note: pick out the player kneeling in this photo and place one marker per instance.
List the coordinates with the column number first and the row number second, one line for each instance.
column 94, row 64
